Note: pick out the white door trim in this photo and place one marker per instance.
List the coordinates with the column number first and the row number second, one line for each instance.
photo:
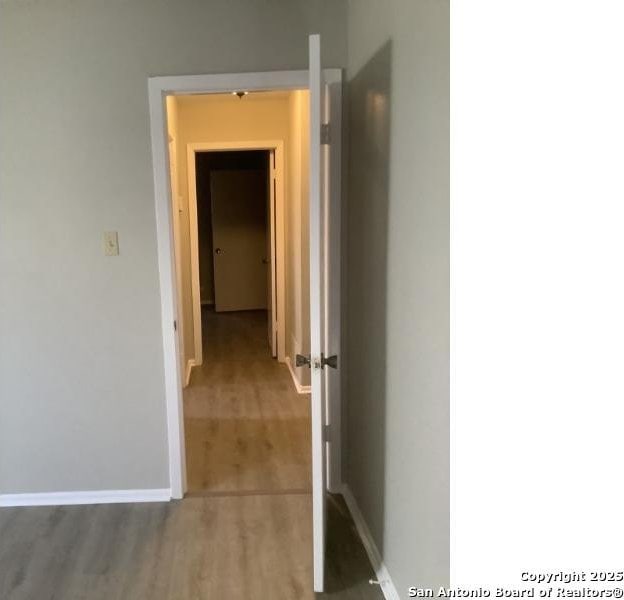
column 158, row 89
column 280, row 241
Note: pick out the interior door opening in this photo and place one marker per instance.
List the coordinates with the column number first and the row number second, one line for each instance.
column 229, row 279
column 219, row 409
column 235, row 233
column 245, row 289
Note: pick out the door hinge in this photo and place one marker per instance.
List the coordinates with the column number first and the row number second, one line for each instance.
column 325, row 134
column 175, row 325
column 327, row 433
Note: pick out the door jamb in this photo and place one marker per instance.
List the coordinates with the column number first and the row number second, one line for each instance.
column 280, row 242
column 158, row 89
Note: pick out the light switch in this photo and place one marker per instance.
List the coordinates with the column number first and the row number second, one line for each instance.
column 111, row 243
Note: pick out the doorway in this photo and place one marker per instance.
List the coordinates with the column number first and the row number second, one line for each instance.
column 244, row 255
column 204, row 159
column 232, row 215
column 324, row 227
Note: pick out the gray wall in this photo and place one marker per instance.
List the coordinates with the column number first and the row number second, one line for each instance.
column 81, row 376
column 398, row 282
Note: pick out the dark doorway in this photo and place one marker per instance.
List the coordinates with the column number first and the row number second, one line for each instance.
column 207, row 165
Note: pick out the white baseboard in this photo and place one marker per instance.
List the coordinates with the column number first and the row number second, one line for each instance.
column 301, row 389
column 189, row 366
column 387, row 586
column 92, row 497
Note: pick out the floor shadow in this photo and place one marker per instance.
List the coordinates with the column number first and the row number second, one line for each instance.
column 348, row 572
column 369, row 102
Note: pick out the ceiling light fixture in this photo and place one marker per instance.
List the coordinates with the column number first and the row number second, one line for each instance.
column 240, row 94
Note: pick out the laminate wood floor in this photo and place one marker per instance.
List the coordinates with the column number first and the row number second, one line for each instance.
column 247, row 429
column 208, row 548
column 244, row 531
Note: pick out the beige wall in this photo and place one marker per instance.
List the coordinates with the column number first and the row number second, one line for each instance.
column 259, row 116
column 298, row 256
column 82, row 403
column 398, row 282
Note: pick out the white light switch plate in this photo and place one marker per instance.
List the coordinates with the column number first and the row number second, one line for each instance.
column 111, row 243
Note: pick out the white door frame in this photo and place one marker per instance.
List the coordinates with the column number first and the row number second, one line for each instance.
column 280, row 240
column 158, row 89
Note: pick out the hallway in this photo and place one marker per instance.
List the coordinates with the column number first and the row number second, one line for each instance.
column 247, row 429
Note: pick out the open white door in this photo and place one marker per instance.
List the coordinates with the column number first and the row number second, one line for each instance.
column 317, row 328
